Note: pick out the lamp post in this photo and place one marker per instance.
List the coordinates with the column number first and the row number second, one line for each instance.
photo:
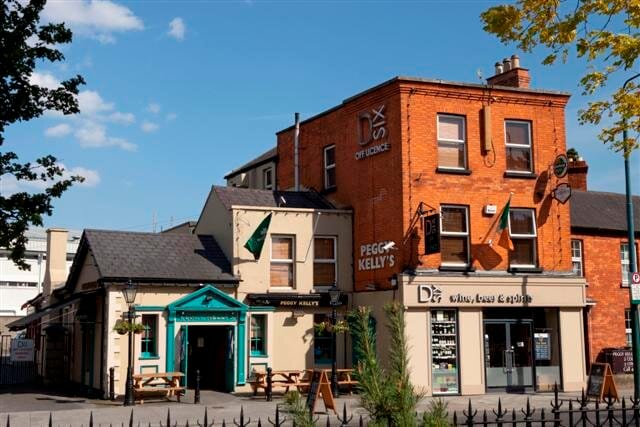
column 129, row 292
column 635, row 321
column 334, row 294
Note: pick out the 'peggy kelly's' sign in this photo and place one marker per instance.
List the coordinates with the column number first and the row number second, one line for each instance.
column 374, row 256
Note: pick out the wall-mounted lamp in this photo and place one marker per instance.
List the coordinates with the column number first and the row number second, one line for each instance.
column 394, row 281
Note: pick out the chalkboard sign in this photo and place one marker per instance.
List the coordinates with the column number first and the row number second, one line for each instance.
column 432, row 234
column 320, row 385
column 601, row 382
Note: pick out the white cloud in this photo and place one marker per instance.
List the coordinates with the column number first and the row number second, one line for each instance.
column 91, row 177
column 58, row 131
column 90, row 102
column 122, row 118
column 177, row 28
column 10, row 185
column 148, row 127
column 94, row 135
column 93, row 18
column 171, row 117
column 153, row 108
column 44, row 79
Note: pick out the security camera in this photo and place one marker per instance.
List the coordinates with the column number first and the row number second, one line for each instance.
column 389, row 245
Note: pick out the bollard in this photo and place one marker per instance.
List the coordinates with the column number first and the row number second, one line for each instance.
column 196, row 395
column 112, row 387
column 269, row 391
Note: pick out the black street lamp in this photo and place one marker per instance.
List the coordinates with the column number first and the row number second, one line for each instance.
column 129, row 292
column 334, row 294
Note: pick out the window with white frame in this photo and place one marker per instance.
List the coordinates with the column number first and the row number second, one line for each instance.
column 522, row 231
column 282, row 265
column 624, row 263
column 324, row 261
column 518, row 146
column 330, row 166
column 576, row 257
column 267, row 179
column 452, row 153
column 454, row 235
column 627, row 326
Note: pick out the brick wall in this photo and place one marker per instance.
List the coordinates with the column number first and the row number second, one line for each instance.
column 603, row 273
column 385, row 190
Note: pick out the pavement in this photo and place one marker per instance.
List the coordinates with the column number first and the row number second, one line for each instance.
column 32, row 408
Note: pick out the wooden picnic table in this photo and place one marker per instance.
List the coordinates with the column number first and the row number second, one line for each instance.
column 157, row 383
column 301, row 380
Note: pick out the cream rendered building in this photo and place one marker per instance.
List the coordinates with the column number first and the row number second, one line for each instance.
column 205, row 301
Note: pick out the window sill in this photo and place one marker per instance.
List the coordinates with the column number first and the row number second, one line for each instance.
column 329, row 190
column 279, row 289
column 624, row 285
column 149, row 358
column 259, row 356
column 525, row 270
column 521, row 175
column 454, row 171
column 457, row 268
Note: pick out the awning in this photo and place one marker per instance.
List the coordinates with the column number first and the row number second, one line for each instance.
column 23, row 322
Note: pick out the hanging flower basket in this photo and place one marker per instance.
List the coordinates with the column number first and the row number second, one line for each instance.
column 123, row 327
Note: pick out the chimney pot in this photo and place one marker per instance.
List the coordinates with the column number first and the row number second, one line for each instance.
column 498, row 68
column 506, row 62
column 515, row 61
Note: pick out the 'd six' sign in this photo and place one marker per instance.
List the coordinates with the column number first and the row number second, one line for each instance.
column 372, row 128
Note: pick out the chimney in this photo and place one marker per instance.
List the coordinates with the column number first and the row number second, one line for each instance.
column 509, row 73
column 56, row 268
column 577, row 174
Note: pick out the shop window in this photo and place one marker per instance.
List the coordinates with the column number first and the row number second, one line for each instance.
column 324, row 261
column 282, row 265
column 451, row 142
column 444, row 352
column 267, row 179
column 518, row 146
column 149, row 339
column 522, row 231
column 258, row 335
column 321, row 342
column 576, row 257
column 330, row 167
column 624, row 263
column 454, row 236
column 627, row 326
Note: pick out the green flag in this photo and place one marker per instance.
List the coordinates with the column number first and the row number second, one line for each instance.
column 256, row 241
column 504, row 217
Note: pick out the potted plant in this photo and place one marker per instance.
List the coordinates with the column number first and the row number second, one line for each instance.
column 123, row 327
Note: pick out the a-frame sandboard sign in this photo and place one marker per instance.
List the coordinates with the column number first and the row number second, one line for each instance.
column 320, row 385
column 601, row 383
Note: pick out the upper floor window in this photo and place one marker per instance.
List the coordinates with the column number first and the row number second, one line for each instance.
column 324, row 261
column 522, row 231
column 518, row 146
column 267, row 179
column 576, row 257
column 282, row 265
column 258, row 334
column 330, row 167
column 454, row 235
column 149, row 339
column 624, row 263
column 451, row 142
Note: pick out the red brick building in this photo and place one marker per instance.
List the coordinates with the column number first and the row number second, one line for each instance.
column 600, row 253
column 428, row 166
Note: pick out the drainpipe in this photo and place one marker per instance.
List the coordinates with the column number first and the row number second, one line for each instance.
column 296, row 142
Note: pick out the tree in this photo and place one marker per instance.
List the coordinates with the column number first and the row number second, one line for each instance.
column 23, row 43
column 604, row 33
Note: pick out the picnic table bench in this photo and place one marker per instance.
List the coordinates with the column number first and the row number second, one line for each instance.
column 301, row 380
column 166, row 384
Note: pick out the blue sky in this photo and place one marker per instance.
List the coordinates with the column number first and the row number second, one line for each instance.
column 180, row 92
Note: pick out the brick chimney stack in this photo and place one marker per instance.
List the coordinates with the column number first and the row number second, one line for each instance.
column 577, row 174
column 509, row 73
column 56, row 267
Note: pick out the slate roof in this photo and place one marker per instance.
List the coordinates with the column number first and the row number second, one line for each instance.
column 596, row 210
column 262, row 158
column 231, row 196
column 159, row 257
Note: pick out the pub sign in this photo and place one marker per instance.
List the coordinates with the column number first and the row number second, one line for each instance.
column 432, row 234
